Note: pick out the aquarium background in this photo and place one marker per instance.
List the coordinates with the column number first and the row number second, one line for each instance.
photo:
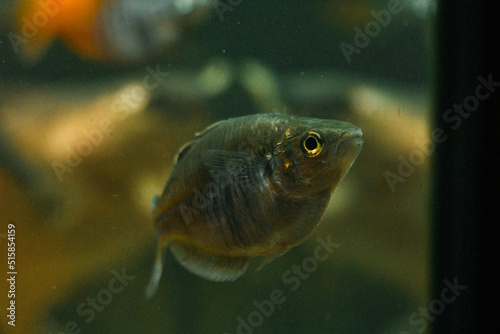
column 116, row 138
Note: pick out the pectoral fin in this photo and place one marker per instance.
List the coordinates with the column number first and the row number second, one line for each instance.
column 246, row 176
column 245, row 197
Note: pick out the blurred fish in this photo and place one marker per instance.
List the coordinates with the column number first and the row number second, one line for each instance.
column 345, row 15
column 123, row 31
column 249, row 186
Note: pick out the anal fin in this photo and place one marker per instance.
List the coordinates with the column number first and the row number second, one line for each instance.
column 271, row 257
column 209, row 266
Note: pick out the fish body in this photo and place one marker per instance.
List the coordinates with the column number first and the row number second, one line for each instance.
column 250, row 186
column 121, row 31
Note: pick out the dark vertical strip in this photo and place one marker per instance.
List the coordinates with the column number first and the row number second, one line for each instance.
column 489, row 242
column 466, row 178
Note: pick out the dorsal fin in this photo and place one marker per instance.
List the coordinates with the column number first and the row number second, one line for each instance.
column 182, row 151
column 207, row 129
column 186, row 147
column 212, row 267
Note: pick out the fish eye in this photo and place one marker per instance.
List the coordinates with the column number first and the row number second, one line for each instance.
column 312, row 143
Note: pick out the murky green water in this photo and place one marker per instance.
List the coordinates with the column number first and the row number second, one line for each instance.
column 86, row 144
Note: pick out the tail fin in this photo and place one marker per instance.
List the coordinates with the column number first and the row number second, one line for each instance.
column 157, row 271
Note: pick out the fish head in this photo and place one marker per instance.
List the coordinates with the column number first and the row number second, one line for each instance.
column 315, row 155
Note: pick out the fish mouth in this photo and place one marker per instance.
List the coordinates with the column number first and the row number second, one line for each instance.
column 350, row 140
column 347, row 150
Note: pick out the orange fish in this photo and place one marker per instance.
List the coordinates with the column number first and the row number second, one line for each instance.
column 123, row 31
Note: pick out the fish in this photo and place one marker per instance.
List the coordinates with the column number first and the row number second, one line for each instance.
column 249, row 186
column 112, row 31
